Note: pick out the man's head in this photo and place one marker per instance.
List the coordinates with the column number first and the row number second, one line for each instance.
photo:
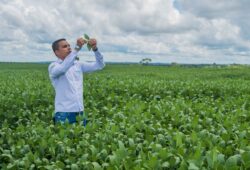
column 61, row 48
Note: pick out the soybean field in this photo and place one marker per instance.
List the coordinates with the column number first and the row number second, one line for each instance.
column 139, row 117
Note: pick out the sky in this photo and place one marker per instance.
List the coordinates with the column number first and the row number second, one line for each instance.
column 167, row 31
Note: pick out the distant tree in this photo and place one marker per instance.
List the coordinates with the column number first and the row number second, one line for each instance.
column 145, row 61
column 174, row 64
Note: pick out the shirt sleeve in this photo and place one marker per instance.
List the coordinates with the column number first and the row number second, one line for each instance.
column 95, row 65
column 57, row 69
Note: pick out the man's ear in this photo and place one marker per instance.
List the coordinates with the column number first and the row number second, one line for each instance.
column 56, row 52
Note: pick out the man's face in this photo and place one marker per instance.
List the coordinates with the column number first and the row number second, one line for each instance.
column 63, row 49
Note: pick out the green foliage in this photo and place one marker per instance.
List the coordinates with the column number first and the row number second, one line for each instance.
column 86, row 38
column 145, row 61
column 153, row 117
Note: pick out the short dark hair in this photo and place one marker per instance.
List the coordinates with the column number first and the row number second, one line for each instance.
column 55, row 44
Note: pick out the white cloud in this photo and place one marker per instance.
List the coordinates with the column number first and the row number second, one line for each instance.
column 166, row 30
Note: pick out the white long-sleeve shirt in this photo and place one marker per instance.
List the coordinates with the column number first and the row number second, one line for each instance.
column 67, row 79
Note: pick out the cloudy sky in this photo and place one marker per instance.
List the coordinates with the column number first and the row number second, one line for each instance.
column 182, row 31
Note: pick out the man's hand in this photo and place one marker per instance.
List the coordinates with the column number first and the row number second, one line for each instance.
column 80, row 42
column 93, row 43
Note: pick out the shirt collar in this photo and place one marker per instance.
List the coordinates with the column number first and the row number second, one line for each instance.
column 60, row 61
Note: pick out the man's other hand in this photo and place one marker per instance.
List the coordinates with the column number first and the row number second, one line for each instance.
column 93, row 43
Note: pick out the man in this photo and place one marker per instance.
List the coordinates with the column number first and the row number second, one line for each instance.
column 67, row 78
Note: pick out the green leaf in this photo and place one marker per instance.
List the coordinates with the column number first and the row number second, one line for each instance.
column 105, row 164
column 153, row 162
column 74, row 166
column 174, row 160
column 192, row 166
column 232, row 161
column 6, row 157
column 163, row 154
column 131, row 142
column 86, row 37
column 121, row 145
column 178, row 139
column 93, row 149
column 96, row 165
column 221, row 159
column 212, row 157
column 89, row 46
column 165, row 165
column 60, row 164
column 11, row 166
column 113, row 159
column 183, row 165
column 246, row 159
column 104, row 152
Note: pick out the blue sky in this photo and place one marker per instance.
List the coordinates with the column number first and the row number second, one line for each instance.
column 182, row 31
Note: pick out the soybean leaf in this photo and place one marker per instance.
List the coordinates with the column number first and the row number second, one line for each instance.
column 86, row 37
column 96, row 165
column 232, row 161
column 89, row 46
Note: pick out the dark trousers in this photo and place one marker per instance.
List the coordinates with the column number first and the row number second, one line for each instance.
column 71, row 117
